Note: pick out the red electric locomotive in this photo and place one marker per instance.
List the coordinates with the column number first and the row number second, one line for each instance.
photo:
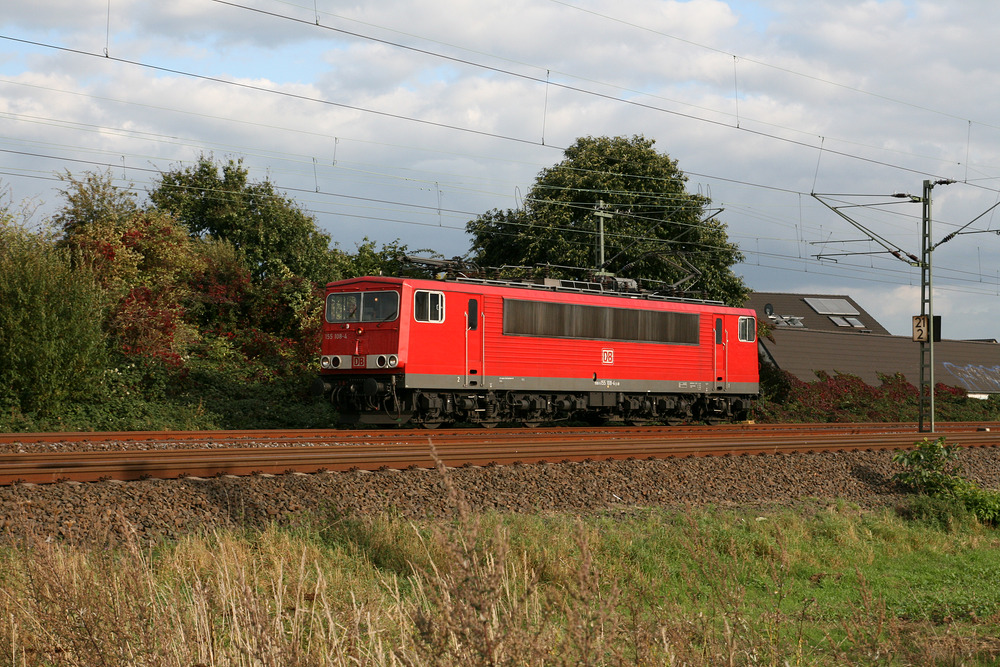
column 432, row 352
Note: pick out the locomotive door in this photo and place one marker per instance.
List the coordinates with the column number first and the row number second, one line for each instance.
column 473, row 342
column 721, row 379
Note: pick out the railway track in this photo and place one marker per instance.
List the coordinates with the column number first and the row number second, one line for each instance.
column 83, row 457
column 136, row 439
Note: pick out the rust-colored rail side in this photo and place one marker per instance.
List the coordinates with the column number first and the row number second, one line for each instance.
column 402, row 450
column 292, row 436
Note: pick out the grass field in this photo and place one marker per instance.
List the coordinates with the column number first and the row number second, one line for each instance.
column 817, row 584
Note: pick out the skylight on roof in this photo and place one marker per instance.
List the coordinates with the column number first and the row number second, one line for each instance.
column 846, row 321
column 832, row 306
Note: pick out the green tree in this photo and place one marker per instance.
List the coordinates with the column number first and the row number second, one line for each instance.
column 274, row 235
column 52, row 346
column 656, row 230
column 93, row 199
column 369, row 260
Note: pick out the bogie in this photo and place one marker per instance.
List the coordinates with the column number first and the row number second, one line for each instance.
column 432, row 409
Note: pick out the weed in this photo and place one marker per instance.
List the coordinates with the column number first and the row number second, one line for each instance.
column 931, row 469
column 942, row 512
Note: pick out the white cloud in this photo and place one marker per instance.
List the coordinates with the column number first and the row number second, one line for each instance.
column 404, row 139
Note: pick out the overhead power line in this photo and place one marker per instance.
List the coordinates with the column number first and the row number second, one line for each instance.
column 457, row 128
column 777, row 68
column 448, row 126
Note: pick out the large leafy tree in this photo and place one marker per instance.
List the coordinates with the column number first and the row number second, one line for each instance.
column 274, row 235
column 93, row 199
column 369, row 260
column 172, row 293
column 654, row 230
column 142, row 258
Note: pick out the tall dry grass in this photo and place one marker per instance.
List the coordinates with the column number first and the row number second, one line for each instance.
column 223, row 599
column 475, row 590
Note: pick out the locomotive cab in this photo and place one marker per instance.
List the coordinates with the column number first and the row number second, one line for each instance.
column 360, row 361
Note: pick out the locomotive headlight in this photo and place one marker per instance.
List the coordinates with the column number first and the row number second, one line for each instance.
column 324, row 362
column 380, row 361
column 334, row 362
column 393, row 361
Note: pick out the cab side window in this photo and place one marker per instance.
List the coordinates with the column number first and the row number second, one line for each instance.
column 748, row 329
column 428, row 306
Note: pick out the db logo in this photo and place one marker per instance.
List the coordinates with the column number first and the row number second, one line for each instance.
column 358, row 361
column 607, row 356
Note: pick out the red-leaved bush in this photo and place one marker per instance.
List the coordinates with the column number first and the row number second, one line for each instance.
column 847, row 398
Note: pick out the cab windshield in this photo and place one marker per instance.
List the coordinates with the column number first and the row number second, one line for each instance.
column 362, row 306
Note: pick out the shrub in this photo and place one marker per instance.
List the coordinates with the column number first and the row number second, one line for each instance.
column 983, row 503
column 847, row 398
column 932, row 471
column 144, row 261
column 930, row 467
column 52, row 348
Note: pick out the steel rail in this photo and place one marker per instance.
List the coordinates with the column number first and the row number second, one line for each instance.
column 426, row 449
column 351, row 436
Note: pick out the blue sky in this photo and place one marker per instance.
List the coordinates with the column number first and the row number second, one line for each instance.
column 435, row 112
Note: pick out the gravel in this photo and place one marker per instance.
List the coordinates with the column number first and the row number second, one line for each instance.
column 165, row 509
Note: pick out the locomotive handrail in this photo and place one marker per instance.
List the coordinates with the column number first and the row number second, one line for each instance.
column 649, row 296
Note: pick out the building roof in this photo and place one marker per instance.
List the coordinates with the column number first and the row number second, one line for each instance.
column 820, row 332
column 816, row 312
column 973, row 365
